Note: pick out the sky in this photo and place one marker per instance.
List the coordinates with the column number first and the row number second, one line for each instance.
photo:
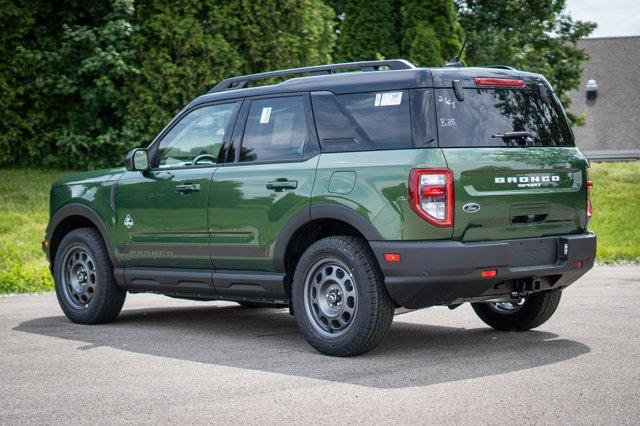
column 615, row 18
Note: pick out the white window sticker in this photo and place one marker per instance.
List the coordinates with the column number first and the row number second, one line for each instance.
column 388, row 98
column 265, row 116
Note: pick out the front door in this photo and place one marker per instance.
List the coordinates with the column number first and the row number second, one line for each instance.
column 269, row 181
column 162, row 213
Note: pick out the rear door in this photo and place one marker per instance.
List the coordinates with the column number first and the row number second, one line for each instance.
column 268, row 180
column 517, row 173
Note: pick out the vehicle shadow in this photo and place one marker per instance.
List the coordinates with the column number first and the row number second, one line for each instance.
column 268, row 340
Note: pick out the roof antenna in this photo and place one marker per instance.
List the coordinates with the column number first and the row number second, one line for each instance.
column 455, row 61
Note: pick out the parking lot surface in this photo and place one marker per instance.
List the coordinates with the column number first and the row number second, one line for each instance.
column 170, row 361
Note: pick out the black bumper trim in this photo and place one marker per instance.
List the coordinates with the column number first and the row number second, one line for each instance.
column 446, row 272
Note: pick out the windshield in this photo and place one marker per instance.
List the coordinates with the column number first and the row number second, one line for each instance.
column 486, row 115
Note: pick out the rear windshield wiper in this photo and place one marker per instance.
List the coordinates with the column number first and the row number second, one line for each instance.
column 524, row 138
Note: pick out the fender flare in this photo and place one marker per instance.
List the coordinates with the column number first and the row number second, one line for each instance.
column 315, row 212
column 89, row 214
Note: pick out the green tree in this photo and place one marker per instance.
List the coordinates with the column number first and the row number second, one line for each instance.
column 368, row 30
column 68, row 63
column 84, row 83
column 532, row 35
column 274, row 34
column 184, row 47
column 179, row 56
column 431, row 33
column 425, row 32
column 28, row 26
column 81, row 82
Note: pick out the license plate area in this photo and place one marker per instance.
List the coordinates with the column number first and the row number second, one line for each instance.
column 535, row 252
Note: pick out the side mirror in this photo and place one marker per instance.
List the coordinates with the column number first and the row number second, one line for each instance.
column 137, row 160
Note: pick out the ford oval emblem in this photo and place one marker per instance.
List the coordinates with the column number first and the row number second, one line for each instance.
column 471, row 207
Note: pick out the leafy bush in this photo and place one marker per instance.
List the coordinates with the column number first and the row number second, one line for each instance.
column 86, row 81
column 82, row 82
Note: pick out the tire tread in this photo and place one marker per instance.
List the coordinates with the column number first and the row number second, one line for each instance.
column 536, row 311
column 112, row 296
column 381, row 306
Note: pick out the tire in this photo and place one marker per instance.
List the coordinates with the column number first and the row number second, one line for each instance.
column 84, row 281
column 349, row 289
column 535, row 311
column 260, row 305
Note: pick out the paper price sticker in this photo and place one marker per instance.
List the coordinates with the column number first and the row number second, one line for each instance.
column 265, row 116
column 388, row 99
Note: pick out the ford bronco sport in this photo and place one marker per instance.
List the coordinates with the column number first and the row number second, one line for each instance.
column 345, row 193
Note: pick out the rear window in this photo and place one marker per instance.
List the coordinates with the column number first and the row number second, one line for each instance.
column 486, row 113
column 363, row 121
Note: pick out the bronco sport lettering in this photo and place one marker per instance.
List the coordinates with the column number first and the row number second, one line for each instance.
column 527, row 179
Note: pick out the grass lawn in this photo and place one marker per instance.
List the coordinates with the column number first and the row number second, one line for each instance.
column 24, row 204
column 616, row 211
column 24, row 212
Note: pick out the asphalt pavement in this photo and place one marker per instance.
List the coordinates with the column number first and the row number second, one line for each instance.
column 176, row 361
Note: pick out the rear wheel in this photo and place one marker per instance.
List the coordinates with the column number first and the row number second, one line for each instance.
column 341, row 304
column 84, row 281
column 519, row 315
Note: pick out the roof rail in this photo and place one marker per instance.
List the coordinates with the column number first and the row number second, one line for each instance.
column 242, row 81
column 500, row 67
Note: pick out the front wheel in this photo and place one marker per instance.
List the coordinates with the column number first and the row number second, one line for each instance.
column 340, row 302
column 84, row 281
column 519, row 315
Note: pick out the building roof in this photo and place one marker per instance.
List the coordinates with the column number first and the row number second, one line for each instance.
column 613, row 117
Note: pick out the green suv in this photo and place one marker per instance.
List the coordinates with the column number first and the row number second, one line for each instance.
column 345, row 193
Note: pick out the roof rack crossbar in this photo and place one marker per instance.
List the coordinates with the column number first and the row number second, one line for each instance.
column 500, row 67
column 242, row 81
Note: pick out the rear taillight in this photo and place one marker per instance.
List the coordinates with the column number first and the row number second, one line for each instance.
column 589, row 206
column 431, row 195
column 498, row 82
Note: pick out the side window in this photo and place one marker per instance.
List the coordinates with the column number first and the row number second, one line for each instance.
column 276, row 129
column 196, row 139
column 363, row 121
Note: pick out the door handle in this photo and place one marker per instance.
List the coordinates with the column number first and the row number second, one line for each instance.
column 281, row 184
column 187, row 188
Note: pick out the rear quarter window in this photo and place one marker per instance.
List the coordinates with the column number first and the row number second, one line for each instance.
column 485, row 113
column 363, row 121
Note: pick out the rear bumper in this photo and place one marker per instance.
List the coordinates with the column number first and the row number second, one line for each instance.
column 449, row 272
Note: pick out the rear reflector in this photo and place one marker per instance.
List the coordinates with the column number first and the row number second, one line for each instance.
column 433, row 191
column 489, row 273
column 577, row 264
column 498, row 82
column 392, row 257
column 589, row 205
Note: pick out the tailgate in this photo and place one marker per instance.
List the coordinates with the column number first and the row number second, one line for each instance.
column 507, row 193
column 517, row 173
